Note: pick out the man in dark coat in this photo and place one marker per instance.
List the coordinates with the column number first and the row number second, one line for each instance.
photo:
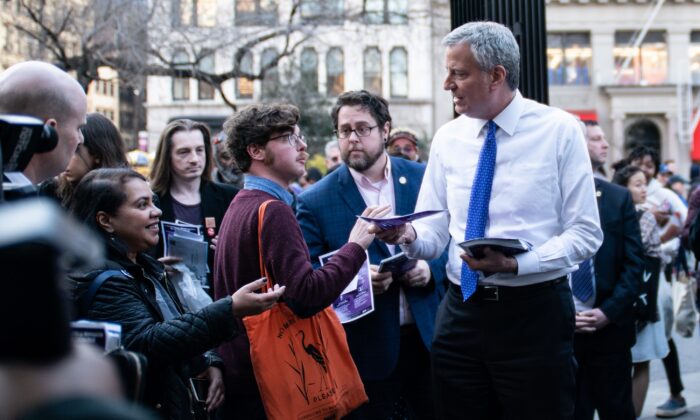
column 604, row 321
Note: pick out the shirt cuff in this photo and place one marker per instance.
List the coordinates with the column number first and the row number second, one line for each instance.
column 528, row 263
column 410, row 249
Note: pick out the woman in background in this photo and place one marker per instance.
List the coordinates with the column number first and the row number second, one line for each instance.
column 651, row 339
column 103, row 147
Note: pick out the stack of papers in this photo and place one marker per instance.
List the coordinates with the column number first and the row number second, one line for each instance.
column 186, row 241
column 508, row 246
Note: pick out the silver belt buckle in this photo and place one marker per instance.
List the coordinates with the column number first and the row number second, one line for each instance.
column 491, row 293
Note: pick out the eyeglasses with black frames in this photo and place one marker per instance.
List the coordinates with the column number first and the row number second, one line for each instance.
column 345, row 133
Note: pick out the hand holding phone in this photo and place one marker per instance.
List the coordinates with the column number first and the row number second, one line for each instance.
column 200, row 389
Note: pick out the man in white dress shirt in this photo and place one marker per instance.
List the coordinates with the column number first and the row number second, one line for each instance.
column 505, row 348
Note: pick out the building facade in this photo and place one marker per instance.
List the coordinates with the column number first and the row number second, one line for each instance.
column 390, row 47
column 106, row 96
column 632, row 65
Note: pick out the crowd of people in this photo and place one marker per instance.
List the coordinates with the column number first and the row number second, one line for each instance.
column 556, row 330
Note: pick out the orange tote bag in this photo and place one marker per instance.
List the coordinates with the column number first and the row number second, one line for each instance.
column 302, row 366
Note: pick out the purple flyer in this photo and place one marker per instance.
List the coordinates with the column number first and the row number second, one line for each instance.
column 387, row 223
column 357, row 300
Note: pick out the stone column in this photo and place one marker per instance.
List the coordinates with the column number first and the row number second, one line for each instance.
column 678, row 41
column 676, row 150
column 617, row 139
column 602, row 43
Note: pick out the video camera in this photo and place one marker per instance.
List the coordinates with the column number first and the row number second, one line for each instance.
column 38, row 243
column 21, row 136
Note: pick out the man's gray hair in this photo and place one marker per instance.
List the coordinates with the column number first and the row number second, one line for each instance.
column 333, row 144
column 491, row 44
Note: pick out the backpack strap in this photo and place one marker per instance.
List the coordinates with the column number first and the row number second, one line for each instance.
column 86, row 299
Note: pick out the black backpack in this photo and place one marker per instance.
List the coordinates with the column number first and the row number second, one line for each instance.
column 85, row 300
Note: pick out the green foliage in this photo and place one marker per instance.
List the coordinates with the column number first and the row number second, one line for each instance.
column 317, row 161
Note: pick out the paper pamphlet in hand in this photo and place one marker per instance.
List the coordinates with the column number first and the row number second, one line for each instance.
column 397, row 264
column 357, row 300
column 185, row 241
column 475, row 247
column 192, row 252
column 386, row 223
column 168, row 229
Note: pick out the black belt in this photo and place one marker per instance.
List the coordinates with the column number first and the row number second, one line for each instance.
column 497, row 293
column 409, row 329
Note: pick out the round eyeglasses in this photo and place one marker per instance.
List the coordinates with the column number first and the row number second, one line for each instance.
column 294, row 140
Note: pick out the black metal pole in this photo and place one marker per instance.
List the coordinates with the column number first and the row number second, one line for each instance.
column 526, row 18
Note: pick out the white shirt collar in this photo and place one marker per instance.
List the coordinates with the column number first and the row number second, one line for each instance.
column 508, row 119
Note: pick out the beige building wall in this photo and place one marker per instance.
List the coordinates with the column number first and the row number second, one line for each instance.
column 618, row 106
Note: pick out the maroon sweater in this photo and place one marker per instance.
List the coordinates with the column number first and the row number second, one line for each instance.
column 287, row 261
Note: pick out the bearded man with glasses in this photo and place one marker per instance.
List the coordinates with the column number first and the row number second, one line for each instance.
column 391, row 345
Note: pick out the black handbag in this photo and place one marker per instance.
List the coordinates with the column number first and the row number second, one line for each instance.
column 132, row 367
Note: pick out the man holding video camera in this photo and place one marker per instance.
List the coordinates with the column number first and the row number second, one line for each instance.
column 44, row 91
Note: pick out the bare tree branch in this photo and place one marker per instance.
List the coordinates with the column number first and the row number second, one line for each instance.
column 139, row 38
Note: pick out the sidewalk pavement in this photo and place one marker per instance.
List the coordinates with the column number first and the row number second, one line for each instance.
column 658, row 393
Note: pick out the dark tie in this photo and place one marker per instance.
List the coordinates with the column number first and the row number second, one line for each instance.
column 582, row 281
column 478, row 212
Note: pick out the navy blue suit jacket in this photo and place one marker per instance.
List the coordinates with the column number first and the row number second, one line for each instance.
column 327, row 212
column 618, row 265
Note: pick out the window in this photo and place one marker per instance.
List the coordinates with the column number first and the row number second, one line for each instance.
column 256, row 12
column 386, row 11
column 181, row 85
column 194, row 13
column 648, row 64
column 244, row 85
column 335, row 72
column 695, row 57
column 182, row 13
column 328, row 11
column 206, row 13
column 373, row 70
column 270, row 82
column 206, row 65
column 398, row 67
column 569, row 58
column 309, row 69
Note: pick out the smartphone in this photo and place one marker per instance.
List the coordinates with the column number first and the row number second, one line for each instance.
column 199, row 388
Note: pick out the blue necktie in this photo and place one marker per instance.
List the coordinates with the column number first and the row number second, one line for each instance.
column 582, row 281
column 478, row 212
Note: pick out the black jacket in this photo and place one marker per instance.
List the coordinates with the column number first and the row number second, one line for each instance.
column 175, row 348
column 618, row 264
